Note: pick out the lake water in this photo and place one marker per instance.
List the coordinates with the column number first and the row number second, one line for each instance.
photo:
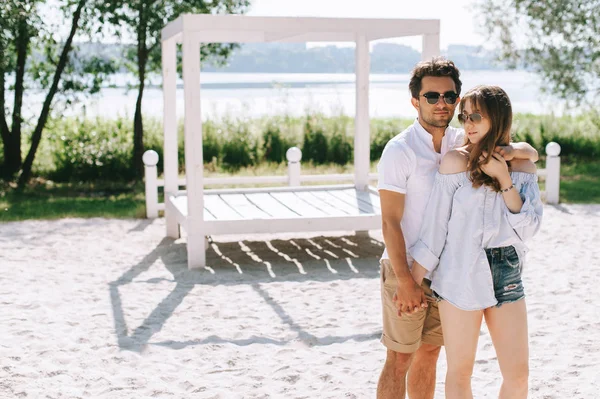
column 253, row 95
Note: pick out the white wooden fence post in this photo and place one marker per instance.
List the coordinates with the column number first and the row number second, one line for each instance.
column 150, row 159
column 293, row 155
column 552, row 173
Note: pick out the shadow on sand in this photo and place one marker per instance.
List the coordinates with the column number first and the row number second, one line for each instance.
column 233, row 263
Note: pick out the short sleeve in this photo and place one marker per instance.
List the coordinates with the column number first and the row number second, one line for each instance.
column 459, row 140
column 395, row 166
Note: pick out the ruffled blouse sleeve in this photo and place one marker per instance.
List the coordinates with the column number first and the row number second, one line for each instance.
column 526, row 223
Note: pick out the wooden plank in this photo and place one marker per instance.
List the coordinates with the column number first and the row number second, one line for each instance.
column 365, row 197
column 296, row 204
column 270, row 205
column 343, row 205
column 244, row 207
column 325, row 206
column 362, row 206
column 276, row 189
column 220, row 209
column 332, row 223
column 180, row 203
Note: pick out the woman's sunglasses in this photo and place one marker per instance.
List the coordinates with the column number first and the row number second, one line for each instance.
column 433, row 97
column 464, row 117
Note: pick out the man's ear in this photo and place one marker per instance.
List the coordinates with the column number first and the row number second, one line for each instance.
column 415, row 103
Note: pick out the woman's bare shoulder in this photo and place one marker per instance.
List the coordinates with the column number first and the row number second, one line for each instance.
column 455, row 161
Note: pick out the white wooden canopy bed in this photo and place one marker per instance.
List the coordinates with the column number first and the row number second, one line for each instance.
column 294, row 208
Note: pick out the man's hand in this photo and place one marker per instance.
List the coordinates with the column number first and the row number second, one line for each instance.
column 506, row 151
column 409, row 298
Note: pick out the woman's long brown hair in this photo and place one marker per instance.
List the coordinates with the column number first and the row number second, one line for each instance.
column 493, row 103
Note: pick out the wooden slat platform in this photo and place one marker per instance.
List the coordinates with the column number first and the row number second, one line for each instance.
column 286, row 210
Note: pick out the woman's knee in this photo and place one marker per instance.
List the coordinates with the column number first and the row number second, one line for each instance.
column 460, row 373
column 516, row 375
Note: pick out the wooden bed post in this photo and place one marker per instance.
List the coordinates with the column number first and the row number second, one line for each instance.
column 171, row 166
column 431, row 46
column 362, row 148
column 196, row 246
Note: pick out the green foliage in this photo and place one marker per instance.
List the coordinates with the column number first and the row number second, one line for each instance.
column 90, row 150
column 87, row 150
column 559, row 39
column 274, row 146
column 340, row 147
column 382, row 131
column 240, row 147
column 315, row 146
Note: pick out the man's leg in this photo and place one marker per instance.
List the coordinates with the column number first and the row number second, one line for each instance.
column 401, row 336
column 392, row 381
column 421, row 375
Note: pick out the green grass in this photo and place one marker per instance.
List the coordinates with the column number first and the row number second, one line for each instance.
column 580, row 182
column 55, row 201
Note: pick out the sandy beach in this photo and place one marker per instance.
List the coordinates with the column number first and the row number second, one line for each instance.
column 103, row 308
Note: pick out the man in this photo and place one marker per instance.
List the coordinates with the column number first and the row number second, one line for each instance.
column 412, row 330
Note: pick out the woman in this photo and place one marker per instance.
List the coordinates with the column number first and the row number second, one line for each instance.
column 479, row 213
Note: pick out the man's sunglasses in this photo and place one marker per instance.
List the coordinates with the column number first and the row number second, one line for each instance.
column 433, row 97
column 464, row 117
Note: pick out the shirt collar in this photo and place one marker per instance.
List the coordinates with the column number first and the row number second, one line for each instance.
column 425, row 136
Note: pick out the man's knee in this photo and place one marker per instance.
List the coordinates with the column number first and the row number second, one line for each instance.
column 398, row 363
column 429, row 350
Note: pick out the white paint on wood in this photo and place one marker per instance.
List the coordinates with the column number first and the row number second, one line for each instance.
column 244, row 207
column 361, row 135
column 194, row 165
column 169, row 71
column 295, row 203
column 327, row 223
column 221, row 209
column 431, row 46
column 326, row 206
column 552, row 173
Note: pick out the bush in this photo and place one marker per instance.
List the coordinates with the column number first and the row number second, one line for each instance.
column 274, row 146
column 340, row 147
column 315, row 146
column 90, row 150
column 239, row 148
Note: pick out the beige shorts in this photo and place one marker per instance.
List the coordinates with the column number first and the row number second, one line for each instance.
column 405, row 334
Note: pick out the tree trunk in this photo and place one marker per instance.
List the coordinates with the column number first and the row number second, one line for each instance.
column 37, row 133
column 138, row 131
column 138, row 125
column 12, row 138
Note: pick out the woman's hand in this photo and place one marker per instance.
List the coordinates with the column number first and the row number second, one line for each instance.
column 496, row 167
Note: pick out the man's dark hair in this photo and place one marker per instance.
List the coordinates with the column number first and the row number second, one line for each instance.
column 436, row 67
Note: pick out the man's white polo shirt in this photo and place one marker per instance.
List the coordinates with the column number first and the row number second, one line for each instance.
column 408, row 165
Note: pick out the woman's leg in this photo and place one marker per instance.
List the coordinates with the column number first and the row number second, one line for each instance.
column 508, row 329
column 461, row 332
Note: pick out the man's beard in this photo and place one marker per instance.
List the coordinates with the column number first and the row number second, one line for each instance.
column 437, row 123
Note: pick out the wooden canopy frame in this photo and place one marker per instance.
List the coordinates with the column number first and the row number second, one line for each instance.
column 193, row 30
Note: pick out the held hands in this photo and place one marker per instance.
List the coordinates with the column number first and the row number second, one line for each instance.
column 410, row 297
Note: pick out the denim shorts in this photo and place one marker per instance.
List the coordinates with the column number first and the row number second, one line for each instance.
column 506, row 270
